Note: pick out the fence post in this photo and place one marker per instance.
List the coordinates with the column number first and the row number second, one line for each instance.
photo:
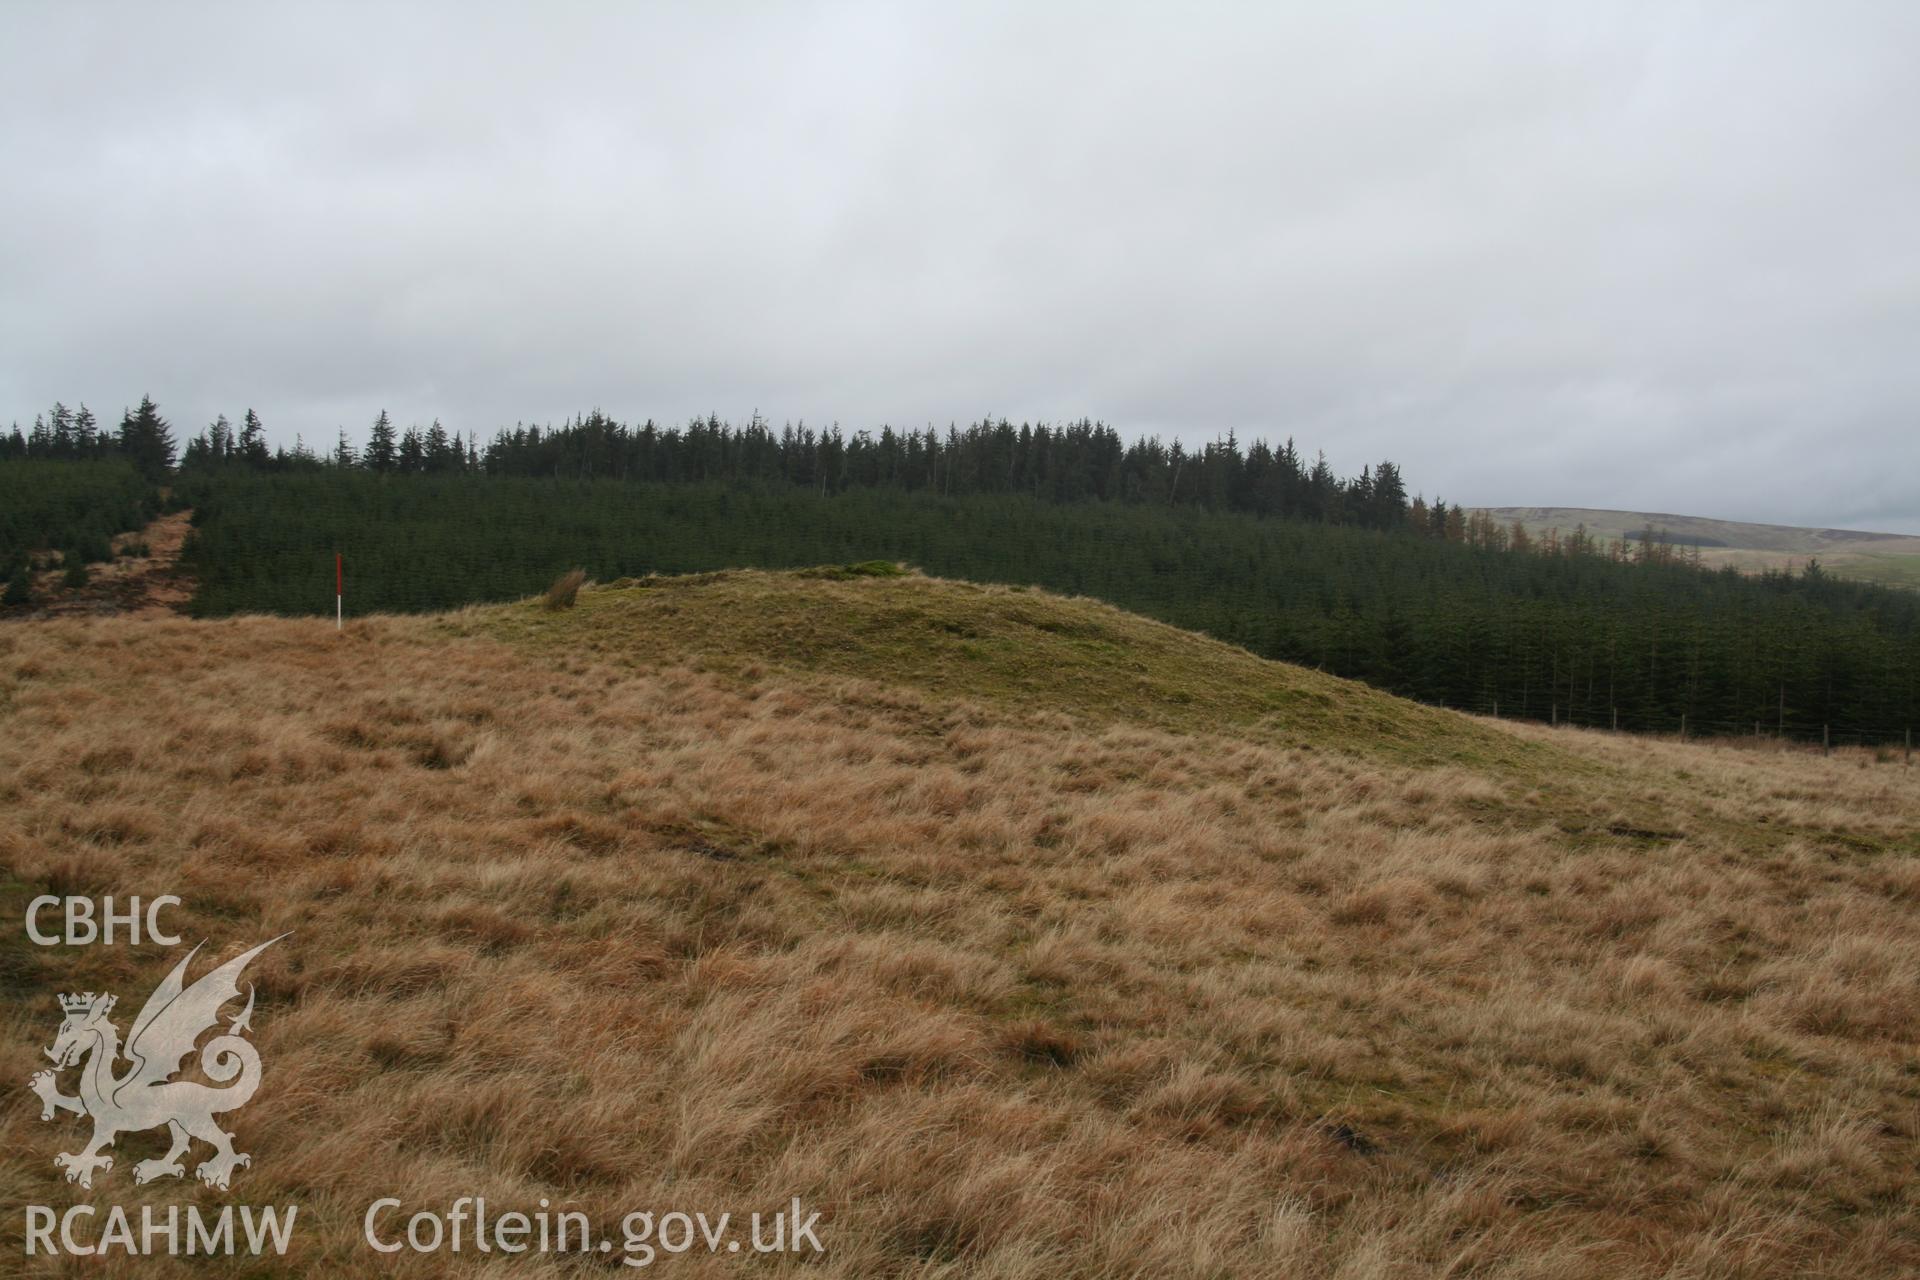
column 1826, row 740
column 1496, row 708
column 1556, row 715
column 1909, row 760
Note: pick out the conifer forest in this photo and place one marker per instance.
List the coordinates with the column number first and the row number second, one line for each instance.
column 1255, row 544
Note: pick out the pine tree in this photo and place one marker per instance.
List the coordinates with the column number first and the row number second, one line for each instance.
column 61, row 431
column 413, row 453
column 146, row 439
column 380, row 455
column 1389, row 497
column 1323, row 496
column 438, row 452
column 197, row 453
column 253, row 441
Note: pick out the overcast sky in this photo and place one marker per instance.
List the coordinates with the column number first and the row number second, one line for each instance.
column 1661, row 257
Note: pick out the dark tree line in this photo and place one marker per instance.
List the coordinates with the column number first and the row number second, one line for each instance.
column 1255, row 545
column 1079, row 461
column 144, row 438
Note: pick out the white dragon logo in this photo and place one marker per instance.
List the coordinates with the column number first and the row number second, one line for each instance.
column 145, row 1097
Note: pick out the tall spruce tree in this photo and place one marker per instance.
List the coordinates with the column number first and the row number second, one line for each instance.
column 440, row 452
column 413, row 452
column 252, row 444
column 61, row 429
column 380, row 454
column 146, row 440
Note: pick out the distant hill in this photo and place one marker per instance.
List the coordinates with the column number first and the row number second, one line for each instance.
column 1878, row 557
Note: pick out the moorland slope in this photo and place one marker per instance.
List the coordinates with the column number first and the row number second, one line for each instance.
column 1023, row 936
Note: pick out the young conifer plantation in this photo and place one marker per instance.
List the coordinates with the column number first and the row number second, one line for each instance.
column 67, row 487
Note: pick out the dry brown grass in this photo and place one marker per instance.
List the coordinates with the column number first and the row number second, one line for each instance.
column 565, row 589
column 1008, row 993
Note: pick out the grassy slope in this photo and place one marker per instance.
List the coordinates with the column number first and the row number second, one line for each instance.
column 1876, row 557
column 1008, row 646
column 1027, row 937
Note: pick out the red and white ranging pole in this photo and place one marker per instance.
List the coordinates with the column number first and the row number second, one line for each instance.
column 339, row 595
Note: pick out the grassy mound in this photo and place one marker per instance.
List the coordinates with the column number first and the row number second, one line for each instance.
column 1011, row 647
column 1019, row 936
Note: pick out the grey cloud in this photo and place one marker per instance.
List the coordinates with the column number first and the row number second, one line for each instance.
column 1658, row 256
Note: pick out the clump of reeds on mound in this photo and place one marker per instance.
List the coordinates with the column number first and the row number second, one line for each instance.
column 565, row 587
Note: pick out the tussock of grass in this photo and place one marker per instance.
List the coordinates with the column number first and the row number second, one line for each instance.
column 565, row 589
column 1010, row 982
column 863, row 569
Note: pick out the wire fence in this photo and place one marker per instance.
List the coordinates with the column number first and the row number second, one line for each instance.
column 1888, row 744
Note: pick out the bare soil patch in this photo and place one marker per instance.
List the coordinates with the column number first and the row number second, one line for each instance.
column 153, row 585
